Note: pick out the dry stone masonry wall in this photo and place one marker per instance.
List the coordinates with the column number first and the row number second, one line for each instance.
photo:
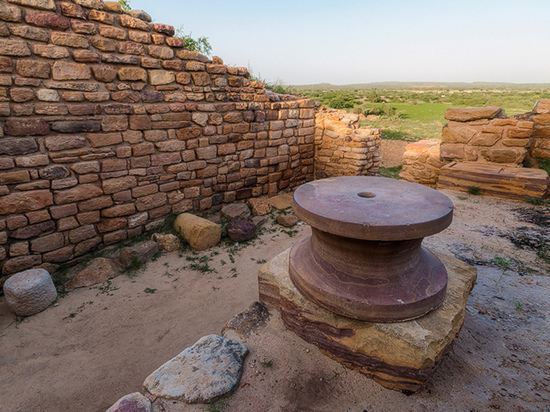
column 107, row 125
column 483, row 136
column 343, row 148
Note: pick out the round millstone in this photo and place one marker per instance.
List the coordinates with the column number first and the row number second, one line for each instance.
column 364, row 258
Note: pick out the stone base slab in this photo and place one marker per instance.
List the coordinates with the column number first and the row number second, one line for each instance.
column 399, row 356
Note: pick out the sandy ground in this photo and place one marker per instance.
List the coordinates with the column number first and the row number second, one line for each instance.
column 100, row 343
column 392, row 152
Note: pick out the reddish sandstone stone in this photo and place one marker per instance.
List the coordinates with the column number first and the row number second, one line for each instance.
column 71, row 71
column 70, row 40
column 78, row 193
column 119, row 184
column 113, row 32
column 101, row 16
column 32, row 231
column 82, row 233
column 132, row 48
column 150, row 202
column 27, row 127
column 33, row 68
column 38, row 216
column 51, row 21
column 20, row 263
column 10, row 13
column 104, row 139
column 14, row 48
column 72, row 10
column 85, row 56
column 15, row 222
column 119, row 210
column 132, row 74
column 59, row 212
column 18, row 146
column 48, row 243
column 17, row 176
column 109, row 225
column 105, row 45
column 133, row 23
column 114, row 123
column 97, row 203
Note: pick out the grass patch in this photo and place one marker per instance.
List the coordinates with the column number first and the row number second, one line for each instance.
column 149, row 290
column 474, row 190
column 218, row 406
column 267, row 364
column 544, row 164
column 391, row 172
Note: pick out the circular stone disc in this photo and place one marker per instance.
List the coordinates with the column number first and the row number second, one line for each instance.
column 373, row 208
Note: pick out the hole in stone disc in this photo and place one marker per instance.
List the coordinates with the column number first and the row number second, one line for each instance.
column 368, row 195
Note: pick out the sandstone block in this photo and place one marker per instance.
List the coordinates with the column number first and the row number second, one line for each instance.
column 70, row 40
column 36, row 4
column 140, row 14
column 76, row 194
column 10, row 13
column 473, row 113
column 50, row 51
column 51, row 21
column 159, row 77
column 139, row 254
column 133, row 23
column 259, row 207
column 71, row 71
column 99, row 270
column 200, row 233
column 132, row 74
column 91, row 4
column 209, row 369
column 164, row 29
column 30, row 292
column 235, row 211
column 26, row 127
column 399, row 356
column 241, row 230
column 25, row 202
column 167, row 241
column 16, row 48
column 287, row 220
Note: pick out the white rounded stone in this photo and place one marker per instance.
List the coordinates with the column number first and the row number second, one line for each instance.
column 30, row 292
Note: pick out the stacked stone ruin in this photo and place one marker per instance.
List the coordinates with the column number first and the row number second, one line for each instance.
column 483, row 136
column 108, row 125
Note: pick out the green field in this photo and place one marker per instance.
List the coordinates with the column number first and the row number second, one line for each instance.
column 416, row 112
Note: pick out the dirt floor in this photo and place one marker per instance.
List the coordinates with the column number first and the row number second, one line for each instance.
column 100, row 343
column 392, row 152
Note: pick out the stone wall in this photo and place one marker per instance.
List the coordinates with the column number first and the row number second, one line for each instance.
column 422, row 162
column 343, row 148
column 482, row 135
column 485, row 135
column 107, row 125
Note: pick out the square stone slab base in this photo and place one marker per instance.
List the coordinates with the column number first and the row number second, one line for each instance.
column 399, row 356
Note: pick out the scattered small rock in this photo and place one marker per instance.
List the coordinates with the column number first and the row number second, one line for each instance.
column 235, row 211
column 29, row 292
column 240, row 230
column 259, row 221
column 287, row 220
column 134, row 402
column 281, row 202
column 209, row 369
column 260, row 207
column 200, row 233
column 98, row 271
column 167, row 241
column 138, row 254
column 245, row 322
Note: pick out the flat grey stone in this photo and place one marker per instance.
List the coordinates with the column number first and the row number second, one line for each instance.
column 30, row 292
column 201, row 373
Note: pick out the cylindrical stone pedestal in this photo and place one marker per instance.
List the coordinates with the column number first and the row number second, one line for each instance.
column 365, row 258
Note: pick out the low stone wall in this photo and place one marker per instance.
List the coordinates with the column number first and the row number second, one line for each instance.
column 485, row 135
column 107, row 125
column 342, row 147
column 482, row 135
column 422, row 163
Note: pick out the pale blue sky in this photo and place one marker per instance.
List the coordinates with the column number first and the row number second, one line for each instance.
column 307, row 41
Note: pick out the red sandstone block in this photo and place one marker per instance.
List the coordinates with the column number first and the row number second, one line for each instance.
column 51, row 21
column 59, row 212
column 72, row 10
column 109, row 225
column 68, row 39
column 96, row 203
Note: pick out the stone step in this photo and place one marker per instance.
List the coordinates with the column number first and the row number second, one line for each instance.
column 494, row 180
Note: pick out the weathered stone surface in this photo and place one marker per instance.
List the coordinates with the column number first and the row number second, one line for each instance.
column 54, row 172
column 259, row 221
column 134, row 402
column 235, row 211
column 246, row 322
column 14, row 48
column 140, row 14
column 202, row 373
column 71, row 71
column 98, row 271
column 10, row 13
column 241, row 230
column 30, row 292
column 19, row 146
column 200, row 233
column 259, row 207
column 27, row 127
column 76, row 194
column 76, row 126
column 281, row 202
column 138, row 254
column 467, row 114
column 399, row 356
column 49, row 20
column 36, row 4
column 159, row 77
column 167, row 241
column 287, row 220
column 25, row 202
